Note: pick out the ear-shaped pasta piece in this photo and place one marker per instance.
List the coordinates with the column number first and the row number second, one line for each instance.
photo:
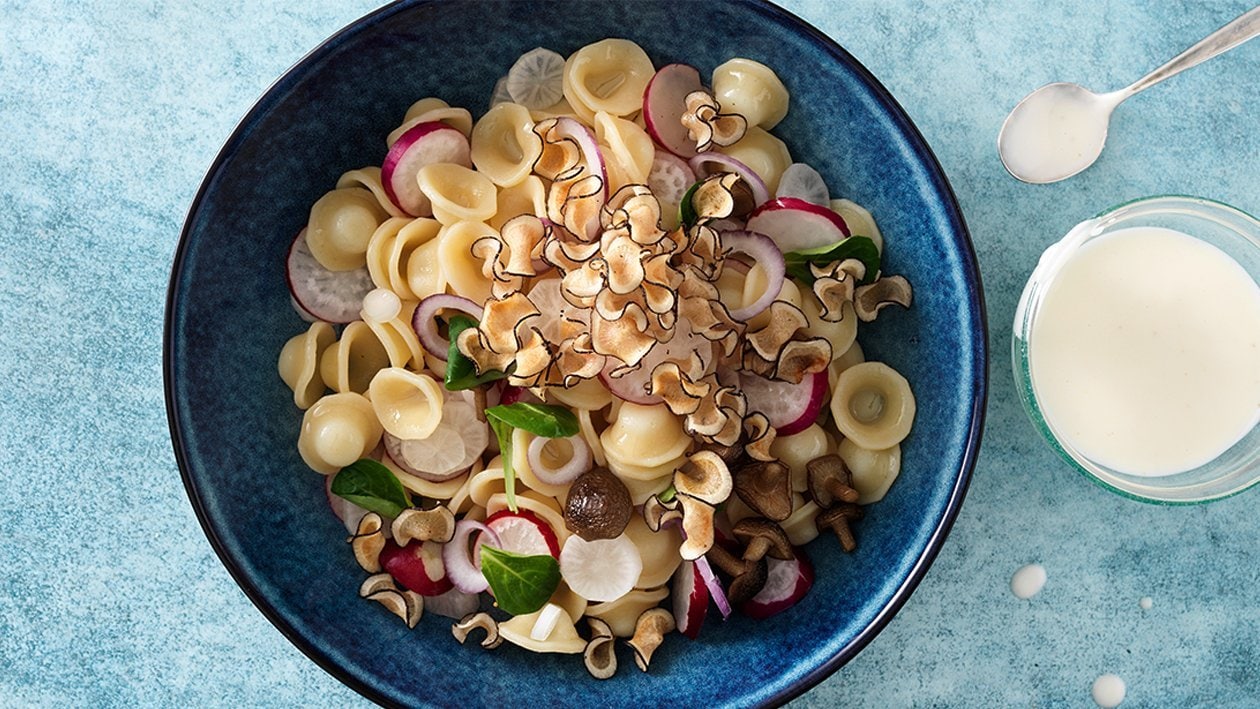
column 299, row 363
column 659, row 551
column 409, row 405
column 457, row 193
column 527, row 197
column 525, row 472
column 752, row 90
column 542, row 505
column 563, row 638
column 626, row 144
column 561, row 109
column 872, row 405
column 432, row 109
column 486, row 484
column 764, row 153
column 340, row 226
column 586, row 425
column 860, row 221
column 755, row 284
column 369, row 178
column 589, row 394
column 338, row 430
column 795, row 451
column 425, row 276
column 850, row 357
column 610, row 75
column 397, row 335
column 426, row 488
column 435, row 365
column 730, row 284
column 350, row 363
column 643, row 483
column 574, row 605
column 462, row 269
column 874, row 471
column 644, row 442
column 840, row 334
column 622, row 614
column 391, row 248
column 504, row 145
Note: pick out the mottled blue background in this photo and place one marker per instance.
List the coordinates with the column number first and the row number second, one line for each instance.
column 110, row 594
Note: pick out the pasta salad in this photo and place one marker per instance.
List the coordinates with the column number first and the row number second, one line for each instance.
column 586, row 366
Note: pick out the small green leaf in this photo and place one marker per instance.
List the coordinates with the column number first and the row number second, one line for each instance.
column 686, row 211
column 371, row 486
column 858, row 247
column 503, row 432
column 539, row 419
column 521, row 584
column 461, row 372
column 667, row 494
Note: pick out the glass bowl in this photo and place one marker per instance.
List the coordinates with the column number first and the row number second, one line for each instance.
column 1229, row 229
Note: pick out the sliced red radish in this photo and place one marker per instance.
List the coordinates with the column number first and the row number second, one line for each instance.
column 600, row 570
column 710, row 162
column 512, row 394
column 664, row 102
column 424, row 144
column 458, row 441
column 714, row 585
column 349, row 513
column 592, row 158
column 452, row 604
column 331, row 296
column 803, row 182
column 691, row 599
column 786, row 583
column 795, row 224
column 424, row 320
column 764, row 252
column 417, row 566
column 302, row 312
column 456, row 555
column 791, row 408
column 521, row 532
column 669, row 180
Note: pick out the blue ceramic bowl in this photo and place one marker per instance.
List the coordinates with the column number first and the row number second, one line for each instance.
column 234, row 425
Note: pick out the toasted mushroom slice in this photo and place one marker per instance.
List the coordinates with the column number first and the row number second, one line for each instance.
column 406, row 605
column 377, row 582
column 697, row 525
column 649, row 631
column 870, row 299
column 767, row 488
column 837, row 519
column 760, row 436
column 478, row 621
column 435, row 525
column 368, row 542
column 705, row 477
column 600, row 656
column 761, row 538
column 748, row 584
column 598, row 506
column 657, row 514
column 830, row 481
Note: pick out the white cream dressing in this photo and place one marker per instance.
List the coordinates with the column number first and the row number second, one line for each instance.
column 1108, row 691
column 1056, row 132
column 1028, row 581
column 1145, row 354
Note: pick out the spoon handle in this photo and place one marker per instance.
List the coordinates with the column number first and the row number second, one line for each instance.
column 1243, row 28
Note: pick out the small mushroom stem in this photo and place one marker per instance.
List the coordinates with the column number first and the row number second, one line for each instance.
column 841, row 527
column 757, row 549
column 726, row 561
column 841, row 491
column 837, row 519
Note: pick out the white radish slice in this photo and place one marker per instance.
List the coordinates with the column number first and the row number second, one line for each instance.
column 709, row 163
column 456, row 443
column 452, row 604
column 664, row 102
column 795, row 224
column 765, row 253
column 536, row 80
column 540, row 463
column 791, row 408
column 669, row 180
column 424, row 323
column 691, row 599
column 803, row 182
column 546, row 622
column 786, row 583
column 331, row 296
column 424, row 144
column 520, row 532
column 600, row 570
column 464, row 574
column 500, row 93
column 714, row 585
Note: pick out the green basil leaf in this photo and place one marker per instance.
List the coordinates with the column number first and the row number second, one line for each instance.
column 686, row 211
column 858, row 247
column 539, row 419
column 503, row 432
column 371, row 486
column 521, row 584
column 461, row 372
column 667, row 494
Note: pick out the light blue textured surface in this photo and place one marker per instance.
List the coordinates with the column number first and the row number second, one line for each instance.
column 110, row 113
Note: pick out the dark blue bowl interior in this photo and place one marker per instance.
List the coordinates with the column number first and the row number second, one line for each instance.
column 235, row 426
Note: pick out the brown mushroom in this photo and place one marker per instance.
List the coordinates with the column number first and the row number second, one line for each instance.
column 697, row 526
column 600, row 657
column 830, row 481
column 837, row 519
column 726, row 561
column 657, row 514
column 761, row 538
column 649, row 632
column 748, row 584
column 598, row 506
column 474, row 621
column 368, row 542
column 705, row 477
column 729, row 454
column 406, row 605
column 436, row 525
column 766, row 487
column 868, row 300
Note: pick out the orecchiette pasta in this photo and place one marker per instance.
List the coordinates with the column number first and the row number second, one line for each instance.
column 336, row 431
column 461, row 268
column 527, row 197
column 764, row 153
column 425, row 275
column 432, row 109
column 850, row 357
column 588, row 394
column 872, row 405
column 626, row 145
column 752, row 90
column 408, row 404
column 874, row 471
column 573, row 604
column 610, row 76
column 504, row 145
column 299, row 363
column 860, row 221
column 800, row 527
column 340, row 226
column 397, row 335
column 457, row 193
column 841, row 333
column 621, row 614
column 796, row 450
column 659, row 551
column 390, row 252
column 356, row 357
column 586, row 427
column 369, row 178
column 563, row 638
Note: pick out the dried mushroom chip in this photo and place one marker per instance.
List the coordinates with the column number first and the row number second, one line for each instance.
column 704, row 477
column 800, row 358
column 870, row 299
column 760, row 436
column 708, row 127
column 784, row 322
column 368, row 542
column 649, row 633
column 561, row 157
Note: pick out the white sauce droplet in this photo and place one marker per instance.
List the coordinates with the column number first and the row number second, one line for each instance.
column 1028, row 580
column 381, row 305
column 1108, row 691
column 1146, row 603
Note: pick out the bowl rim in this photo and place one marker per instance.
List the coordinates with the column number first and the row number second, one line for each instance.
column 979, row 351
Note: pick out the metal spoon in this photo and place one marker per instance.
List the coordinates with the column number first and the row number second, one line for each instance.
column 1059, row 129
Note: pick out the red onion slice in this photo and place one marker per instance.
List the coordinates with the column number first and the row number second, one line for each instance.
column 424, row 321
column 702, row 162
column 715, row 586
column 578, row 463
column 765, row 252
column 571, row 128
column 457, row 557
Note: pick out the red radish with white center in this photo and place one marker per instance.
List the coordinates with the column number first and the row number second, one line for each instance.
column 786, row 583
column 521, row 532
column 791, row 408
column 665, row 101
column 424, row 144
column 331, row 296
column 795, row 224
column 600, row 570
column 418, row 567
column 691, row 599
